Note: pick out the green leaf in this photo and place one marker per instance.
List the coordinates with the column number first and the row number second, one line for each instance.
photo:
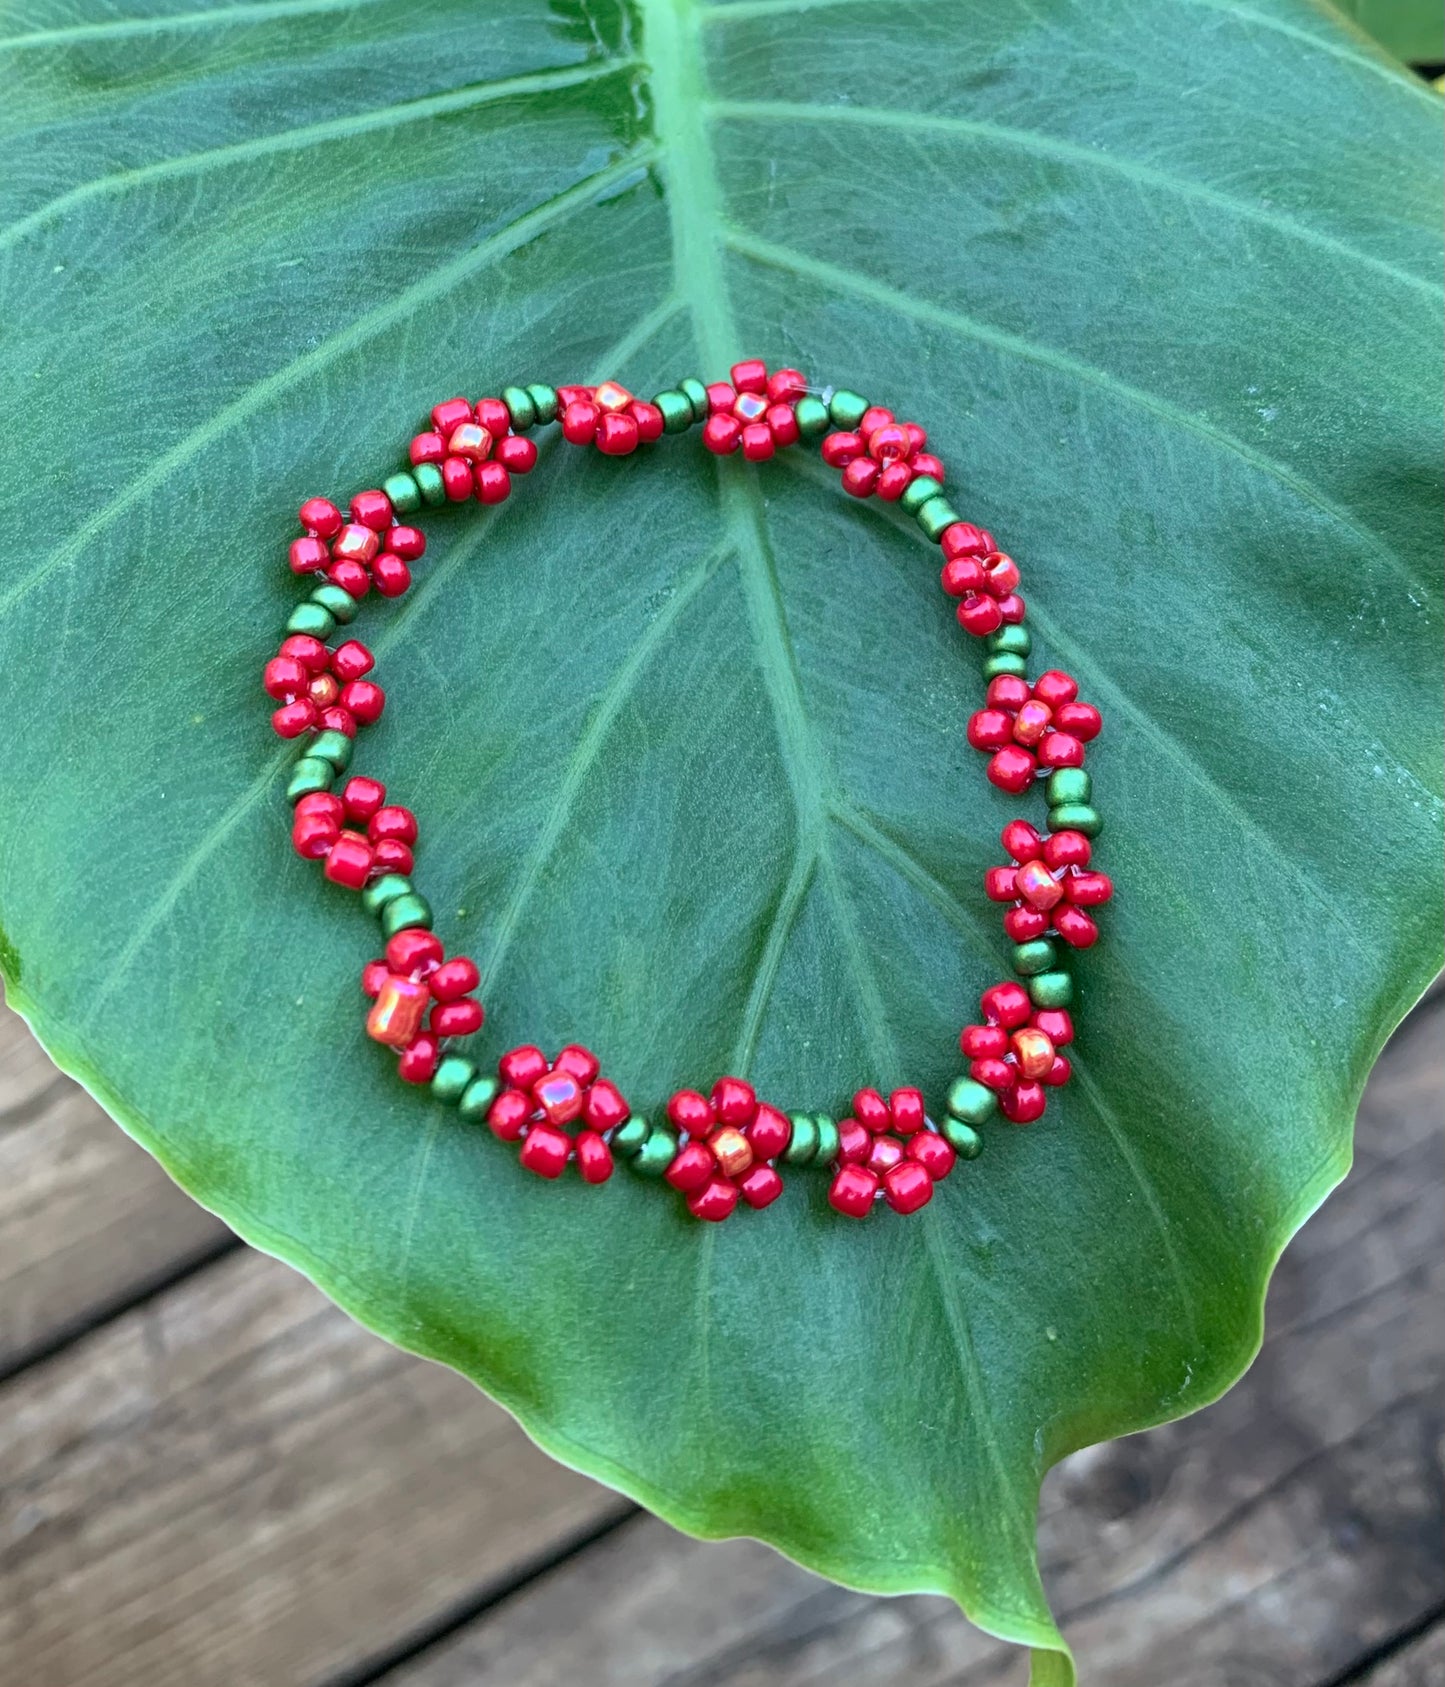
column 1413, row 30
column 686, row 740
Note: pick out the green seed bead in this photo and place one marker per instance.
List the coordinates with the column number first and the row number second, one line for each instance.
column 996, row 665
column 962, row 1138
column 520, row 407
column 1031, row 958
column 337, row 601
column 655, row 1155
column 934, row 516
column 478, row 1097
column 812, row 415
column 1010, row 641
column 846, row 408
column 803, row 1143
column 403, row 491
column 544, row 401
column 309, row 774
column 450, row 1080
column 1052, row 989
column 404, row 913
column 1076, row 817
column 628, row 1138
column 917, row 493
column 333, row 747
column 827, row 1139
column 676, row 408
column 385, row 889
column 313, row 620
column 429, row 483
column 1069, row 785
column 695, row 393
column 971, row 1101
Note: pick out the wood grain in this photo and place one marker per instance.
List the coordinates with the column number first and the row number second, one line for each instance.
column 87, row 1219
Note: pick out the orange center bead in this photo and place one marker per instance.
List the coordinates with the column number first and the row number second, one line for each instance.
column 1033, row 1051
column 612, row 396
column 1038, row 886
column 559, row 1095
column 396, row 1014
column 1032, row 722
column 732, row 1151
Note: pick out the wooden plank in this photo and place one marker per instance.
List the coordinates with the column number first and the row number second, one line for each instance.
column 1276, row 1537
column 236, row 1485
column 87, row 1219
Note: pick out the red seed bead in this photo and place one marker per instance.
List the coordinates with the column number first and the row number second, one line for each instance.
column 1059, row 1073
column 871, row 1110
column 1007, row 1003
column 393, row 821
column 757, row 442
column 852, row 1191
column 1007, row 691
column 984, row 1042
column 508, row 1115
column 962, row 538
column 451, row 413
column 546, row 1150
column 933, row 1153
column 1083, row 720
column 886, row 1152
column 894, row 482
column 1054, row 688
column 1056, row 1025
column 1001, row 573
column 284, row 677
column 1023, row 1103
column 853, row 1142
column 580, row 1062
column 323, row 802
column 573, row 395
column 494, row 484
column 875, row 416
column 361, row 797
column 714, row 1202
column 312, row 835
column 906, row 1106
column 721, row 397
column 373, row 975
column 457, row 977
column 1012, row 769
column 523, row 1066
column 840, row 449
column 419, row 1060
column 980, row 616
column 427, row 448
column 493, row 415
column 348, row 861
column 1075, row 927
column 907, row 1187
column 690, row 1112
column 926, row 463
column 594, row 1157
column 722, row 434
column 517, row 454
column 407, row 542
column 1012, row 609
column 786, row 385
column 617, row 434
column 389, row 856
column 751, row 375
column 760, row 1187
column 415, row 952
column 990, row 729
column 887, row 443
column 390, row 575
column 292, row 719
column 350, row 576
column 649, row 420
column 1060, row 749
column 961, row 574
column 307, row 555
column 372, row 509
column 320, row 516
column 691, row 1167
column 338, row 720
column 1087, row 890
column 782, row 423
column 604, row 1108
column 1066, row 849
column 992, row 1072
column 457, row 479
column 860, row 477
column 1023, row 842
column 365, row 700
column 734, row 1102
column 769, row 1133
column 351, row 660
column 457, row 1019
column 999, row 885
column 1023, row 924
column 310, row 652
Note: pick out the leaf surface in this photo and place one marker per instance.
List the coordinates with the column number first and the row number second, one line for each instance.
column 686, row 740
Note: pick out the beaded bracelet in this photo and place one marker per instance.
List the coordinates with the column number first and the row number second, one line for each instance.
column 727, row 1145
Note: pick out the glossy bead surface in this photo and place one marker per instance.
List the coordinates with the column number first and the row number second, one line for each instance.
column 396, row 1014
column 907, row 1187
column 852, row 1191
column 714, row 1202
